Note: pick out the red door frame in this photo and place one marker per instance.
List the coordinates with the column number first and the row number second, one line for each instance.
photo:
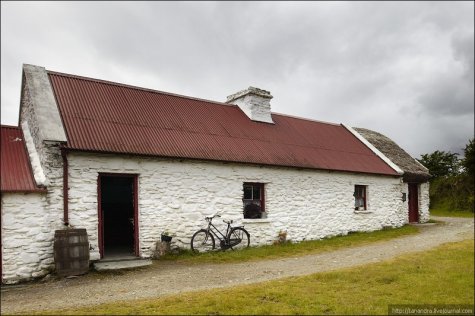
column 136, row 211
column 413, row 202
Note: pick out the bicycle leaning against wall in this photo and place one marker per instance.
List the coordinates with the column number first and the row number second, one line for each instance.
column 234, row 238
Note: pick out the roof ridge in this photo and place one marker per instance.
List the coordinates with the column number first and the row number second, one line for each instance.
column 306, row 119
column 176, row 95
column 124, row 85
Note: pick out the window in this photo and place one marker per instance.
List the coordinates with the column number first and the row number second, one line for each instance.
column 360, row 197
column 253, row 200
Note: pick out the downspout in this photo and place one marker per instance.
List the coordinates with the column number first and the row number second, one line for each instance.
column 65, row 188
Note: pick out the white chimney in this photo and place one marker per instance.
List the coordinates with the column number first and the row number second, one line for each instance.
column 254, row 102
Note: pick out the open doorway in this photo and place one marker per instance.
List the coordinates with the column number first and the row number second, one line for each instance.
column 117, row 216
column 413, row 202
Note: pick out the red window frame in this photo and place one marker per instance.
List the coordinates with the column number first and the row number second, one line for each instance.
column 256, row 200
column 360, row 195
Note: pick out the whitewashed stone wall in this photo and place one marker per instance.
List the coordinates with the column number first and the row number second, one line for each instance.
column 45, row 211
column 50, row 158
column 176, row 195
column 27, row 239
column 424, row 202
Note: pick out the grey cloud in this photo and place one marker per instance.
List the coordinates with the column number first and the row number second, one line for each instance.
column 463, row 47
column 390, row 66
column 451, row 92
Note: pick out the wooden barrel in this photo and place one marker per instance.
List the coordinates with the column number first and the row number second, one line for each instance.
column 71, row 252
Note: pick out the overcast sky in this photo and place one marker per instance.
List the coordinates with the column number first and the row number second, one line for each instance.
column 404, row 69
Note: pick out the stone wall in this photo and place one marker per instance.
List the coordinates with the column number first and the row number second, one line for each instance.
column 175, row 195
column 33, row 212
column 424, row 202
column 27, row 239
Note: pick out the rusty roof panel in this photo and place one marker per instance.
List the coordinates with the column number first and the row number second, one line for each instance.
column 110, row 117
column 16, row 173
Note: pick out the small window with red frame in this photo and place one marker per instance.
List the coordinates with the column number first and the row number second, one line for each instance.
column 253, row 200
column 360, row 197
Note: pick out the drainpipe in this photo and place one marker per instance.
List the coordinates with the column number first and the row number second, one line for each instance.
column 65, row 188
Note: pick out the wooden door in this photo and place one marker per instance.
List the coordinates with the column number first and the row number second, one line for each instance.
column 413, row 203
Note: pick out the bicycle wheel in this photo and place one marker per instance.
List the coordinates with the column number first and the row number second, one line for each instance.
column 238, row 238
column 202, row 241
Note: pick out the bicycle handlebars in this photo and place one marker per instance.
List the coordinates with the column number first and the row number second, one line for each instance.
column 212, row 216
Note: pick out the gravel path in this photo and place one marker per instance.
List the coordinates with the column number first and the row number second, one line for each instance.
column 169, row 278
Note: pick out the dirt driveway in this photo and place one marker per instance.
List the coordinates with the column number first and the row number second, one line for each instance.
column 168, row 278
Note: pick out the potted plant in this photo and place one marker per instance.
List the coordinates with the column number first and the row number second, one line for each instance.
column 166, row 236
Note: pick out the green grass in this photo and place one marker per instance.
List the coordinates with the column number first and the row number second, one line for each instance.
column 444, row 275
column 293, row 249
column 448, row 213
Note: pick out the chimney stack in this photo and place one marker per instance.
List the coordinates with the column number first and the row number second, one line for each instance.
column 254, row 102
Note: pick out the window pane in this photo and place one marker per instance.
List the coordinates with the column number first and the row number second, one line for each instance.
column 252, row 200
column 248, row 192
column 252, row 209
column 256, row 192
column 360, row 193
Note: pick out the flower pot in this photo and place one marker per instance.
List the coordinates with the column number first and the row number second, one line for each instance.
column 166, row 238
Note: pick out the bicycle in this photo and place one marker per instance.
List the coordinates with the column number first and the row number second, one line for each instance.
column 235, row 237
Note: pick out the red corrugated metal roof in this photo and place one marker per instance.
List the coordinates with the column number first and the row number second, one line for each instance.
column 16, row 174
column 103, row 116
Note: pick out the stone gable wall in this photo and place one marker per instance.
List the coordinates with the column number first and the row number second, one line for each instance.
column 32, row 218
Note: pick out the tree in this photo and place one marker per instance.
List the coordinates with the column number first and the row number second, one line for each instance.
column 441, row 163
column 468, row 162
column 453, row 182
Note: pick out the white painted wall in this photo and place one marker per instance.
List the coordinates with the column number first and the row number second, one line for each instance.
column 424, row 202
column 49, row 156
column 32, row 218
column 176, row 195
column 27, row 237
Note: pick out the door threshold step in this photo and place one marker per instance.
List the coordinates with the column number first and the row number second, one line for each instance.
column 120, row 258
column 121, row 264
column 422, row 224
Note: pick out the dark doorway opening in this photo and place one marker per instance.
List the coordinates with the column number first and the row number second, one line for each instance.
column 117, row 216
column 413, row 203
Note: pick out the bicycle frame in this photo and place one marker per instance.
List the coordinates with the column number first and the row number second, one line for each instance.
column 211, row 229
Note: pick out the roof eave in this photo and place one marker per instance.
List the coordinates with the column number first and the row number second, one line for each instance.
column 38, row 190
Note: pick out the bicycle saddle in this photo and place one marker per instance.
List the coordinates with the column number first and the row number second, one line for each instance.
column 228, row 221
column 210, row 217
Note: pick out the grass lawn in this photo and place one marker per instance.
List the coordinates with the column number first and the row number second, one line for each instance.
column 444, row 275
column 447, row 213
column 292, row 249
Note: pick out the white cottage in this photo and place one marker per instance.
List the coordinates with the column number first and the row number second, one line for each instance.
column 127, row 163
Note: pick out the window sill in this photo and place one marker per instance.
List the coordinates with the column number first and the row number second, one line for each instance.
column 363, row 212
column 256, row 220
